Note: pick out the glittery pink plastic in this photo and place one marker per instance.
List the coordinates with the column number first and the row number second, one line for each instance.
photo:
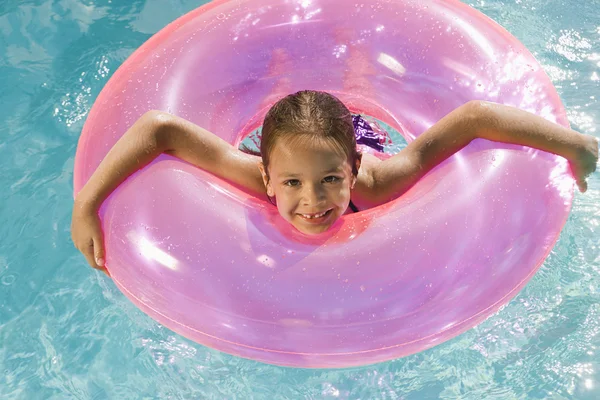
column 223, row 269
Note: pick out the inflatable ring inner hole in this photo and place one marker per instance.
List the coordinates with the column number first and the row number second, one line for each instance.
column 357, row 105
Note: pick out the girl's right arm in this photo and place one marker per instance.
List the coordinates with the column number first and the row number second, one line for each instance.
column 155, row 133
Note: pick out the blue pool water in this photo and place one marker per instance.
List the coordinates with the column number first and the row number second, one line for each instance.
column 66, row 332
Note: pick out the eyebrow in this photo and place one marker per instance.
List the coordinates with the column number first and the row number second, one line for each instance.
column 288, row 175
column 333, row 169
column 294, row 175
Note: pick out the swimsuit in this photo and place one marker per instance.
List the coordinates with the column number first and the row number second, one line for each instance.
column 367, row 135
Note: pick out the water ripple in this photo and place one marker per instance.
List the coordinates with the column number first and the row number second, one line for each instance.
column 67, row 332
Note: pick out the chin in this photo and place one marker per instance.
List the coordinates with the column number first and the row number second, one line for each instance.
column 313, row 230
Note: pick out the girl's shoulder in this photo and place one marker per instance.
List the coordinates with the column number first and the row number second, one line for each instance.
column 363, row 192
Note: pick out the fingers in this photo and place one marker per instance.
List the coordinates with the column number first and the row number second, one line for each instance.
column 98, row 252
column 90, row 256
column 580, row 173
column 88, row 253
column 99, row 255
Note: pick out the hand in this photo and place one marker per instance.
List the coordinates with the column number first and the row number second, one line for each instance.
column 86, row 233
column 585, row 161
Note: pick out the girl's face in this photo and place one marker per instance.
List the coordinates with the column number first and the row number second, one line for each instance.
column 311, row 183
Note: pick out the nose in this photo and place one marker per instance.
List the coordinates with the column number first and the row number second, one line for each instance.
column 312, row 195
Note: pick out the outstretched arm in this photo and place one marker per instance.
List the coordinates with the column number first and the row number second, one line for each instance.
column 479, row 119
column 154, row 133
column 157, row 132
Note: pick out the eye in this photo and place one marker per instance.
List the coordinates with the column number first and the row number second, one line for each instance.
column 292, row 182
column 331, row 179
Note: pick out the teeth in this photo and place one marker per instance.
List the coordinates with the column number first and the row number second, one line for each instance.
column 315, row 215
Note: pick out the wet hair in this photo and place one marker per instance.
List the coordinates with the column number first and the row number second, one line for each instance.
column 309, row 115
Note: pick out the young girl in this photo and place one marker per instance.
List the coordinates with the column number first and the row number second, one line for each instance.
column 309, row 166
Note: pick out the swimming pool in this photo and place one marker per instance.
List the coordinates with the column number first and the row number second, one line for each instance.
column 67, row 332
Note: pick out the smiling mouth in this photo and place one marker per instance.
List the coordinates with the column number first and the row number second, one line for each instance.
column 318, row 217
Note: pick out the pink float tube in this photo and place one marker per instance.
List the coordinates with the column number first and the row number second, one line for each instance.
column 219, row 267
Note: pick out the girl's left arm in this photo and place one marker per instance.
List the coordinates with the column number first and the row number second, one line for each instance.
column 479, row 119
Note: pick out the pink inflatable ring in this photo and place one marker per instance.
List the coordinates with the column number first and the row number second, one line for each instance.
column 221, row 267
